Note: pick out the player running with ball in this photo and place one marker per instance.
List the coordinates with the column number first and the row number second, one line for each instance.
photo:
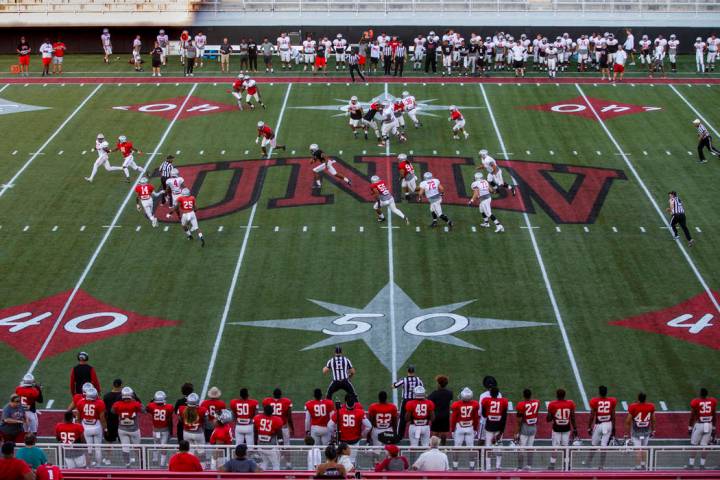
column 383, row 198
column 185, row 206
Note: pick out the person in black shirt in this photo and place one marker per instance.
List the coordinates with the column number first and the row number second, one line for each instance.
column 252, row 54
column 23, row 51
column 320, row 58
column 447, row 53
column 157, row 57
column 109, row 399
column 186, row 390
column 81, row 374
column 442, row 397
column 430, row 55
column 463, row 51
column 481, row 50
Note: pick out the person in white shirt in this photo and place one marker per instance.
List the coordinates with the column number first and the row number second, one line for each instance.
column 518, row 52
column 432, row 460
column 700, row 55
column 619, row 67
column 137, row 60
column 285, row 50
column 673, row 45
column 46, row 53
column 629, row 45
column 712, row 50
column 107, row 44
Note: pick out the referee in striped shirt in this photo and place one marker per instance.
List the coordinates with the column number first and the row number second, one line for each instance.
column 387, row 52
column 165, row 169
column 353, row 60
column 408, row 385
column 341, row 369
column 677, row 210
column 704, row 141
column 400, row 53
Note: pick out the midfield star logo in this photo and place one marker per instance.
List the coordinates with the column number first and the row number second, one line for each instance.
column 422, row 107
column 539, row 184
column 25, row 327
column 7, row 107
column 167, row 108
column 604, row 108
column 691, row 321
column 373, row 324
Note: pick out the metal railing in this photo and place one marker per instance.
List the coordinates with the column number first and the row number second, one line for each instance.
column 573, row 458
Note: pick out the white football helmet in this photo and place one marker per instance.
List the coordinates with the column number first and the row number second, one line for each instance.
column 247, row 77
column 374, row 179
column 466, row 394
column 185, row 191
column 314, row 147
column 225, row 416
column 241, row 77
column 427, row 175
column 339, row 35
column 261, row 124
column 27, row 380
column 672, row 36
column 174, row 172
column 193, row 400
column 91, row 394
column 87, row 386
column 159, row 397
column 644, row 37
column 353, row 99
column 696, row 121
column 478, row 176
column 419, row 392
column 405, row 94
column 122, row 139
column 143, row 180
column 453, row 108
column 402, row 157
column 698, row 39
column 105, row 30
column 483, row 153
column 162, row 32
column 127, row 392
column 100, row 136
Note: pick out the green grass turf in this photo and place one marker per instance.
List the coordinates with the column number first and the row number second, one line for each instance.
column 597, row 276
column 93, row 65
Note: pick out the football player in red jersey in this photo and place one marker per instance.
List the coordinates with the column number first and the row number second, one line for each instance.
column 144, row 199
column 162, row 420
column 282, row 407
column 212, row 405
column 268, row 138
column 193, row 419
column 222, row 434
column 91, row 411
column 70, row 433
column 128, row 411
column 30, row 395
column 703, row 422
column 383, row 198
column 458, row 123
column 349, row 423
column 128, row 152
column 601, row 426
column 244, row 409
column 561, row 413
column 465, row 419
column 268, row 428
column 383, row 416
column 238, row 87
column 48, row 471
column 317, row 416
column 409, row 179
column 640, row 423
column 419, row 413
column 185, row 206
column 494, row 409
column 526, row 427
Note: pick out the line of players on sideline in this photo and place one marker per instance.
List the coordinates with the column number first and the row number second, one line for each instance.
column 247, row 421
column 477, row 55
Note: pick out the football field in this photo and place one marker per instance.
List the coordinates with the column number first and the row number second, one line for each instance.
column 586, row 286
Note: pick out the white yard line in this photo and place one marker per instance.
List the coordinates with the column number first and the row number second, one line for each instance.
column 695, row 111
column 106, row 236
column 541, row 264
column 238, row 265
column 11, row 182
column 654, row 203
column 391, row 275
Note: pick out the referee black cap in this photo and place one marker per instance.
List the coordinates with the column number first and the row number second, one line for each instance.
column 411, row 368
column 170, row 158
column 489, row 381
column 338, row 350
column 673, row 193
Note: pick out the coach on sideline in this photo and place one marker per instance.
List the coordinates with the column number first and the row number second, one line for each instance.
column 341, row 369
column 704, row 141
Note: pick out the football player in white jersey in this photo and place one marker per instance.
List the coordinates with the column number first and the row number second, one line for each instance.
column 103, row 150
column 390, row 125
column 163, row 42
column 658, row 57
column 489, row 46
column 645, row 50
column 174, row 186
column 712, row 51
column 411, row 108
column 309, row 53
column 482, row 193
column 284, row 49
column 106, row 44
column 536, row 51
column 431, row 188
column 568, row 50
column 340, row 47
column 700, row 48
column 200, row 42
column 499, row 46
column 673, row 44
column 583, row 52
column 355, row 112
column 551, row 58
column 494, row 174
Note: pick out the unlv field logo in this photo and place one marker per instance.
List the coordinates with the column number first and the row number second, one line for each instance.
column 580, row 203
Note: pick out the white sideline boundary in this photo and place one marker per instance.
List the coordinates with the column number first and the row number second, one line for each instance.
column 654, row 203
column 541, row 264
column 238, row 265
column 107, row 234
column 695, row 111
column 38, row 152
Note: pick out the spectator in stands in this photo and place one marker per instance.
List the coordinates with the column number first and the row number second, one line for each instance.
column 23, row 50
column 157, row 59
column 184, row 461
column 252, row 55
column 442, row 397
column 244, row 48
column 186, row 389
column 331, row 468
column 394, row 462
column 58, row 56
column 31, row 454
column 240, row 464
column 432, row 460
column 267, row 48
column 114, row 395
column 82, row 373
column 12, row 468
column 12, row 424
column 46, row 53
column 225, row 52
column 345, row 458
column 190, row 56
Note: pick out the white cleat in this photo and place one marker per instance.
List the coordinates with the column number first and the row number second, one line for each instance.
column 88, row 179
column 499, row 229
column 154, row 222
column 485, row 225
